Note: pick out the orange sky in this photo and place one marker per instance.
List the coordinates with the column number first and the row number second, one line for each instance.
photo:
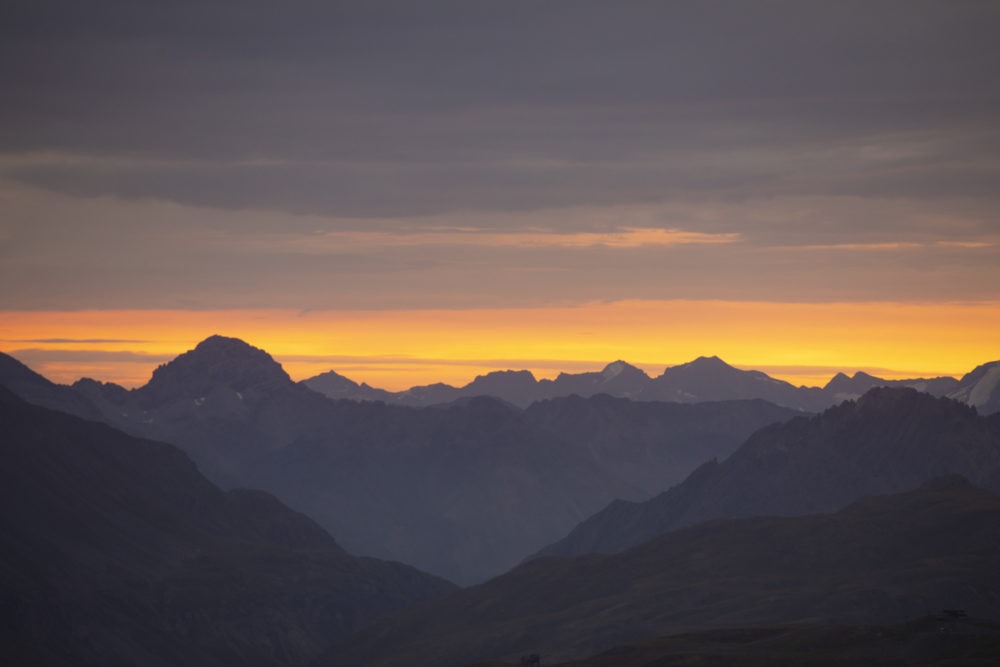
column 802, row 343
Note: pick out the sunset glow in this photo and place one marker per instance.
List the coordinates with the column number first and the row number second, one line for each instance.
column 801, row 343
column 800, row 201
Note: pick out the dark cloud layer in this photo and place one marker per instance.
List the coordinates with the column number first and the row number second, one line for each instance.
column 397, row 108
column 192, row 154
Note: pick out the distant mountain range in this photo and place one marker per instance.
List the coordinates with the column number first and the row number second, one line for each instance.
column 883, row 559
column 704, row 379
column 889, row 440
column 464, row 491
column 115, row 550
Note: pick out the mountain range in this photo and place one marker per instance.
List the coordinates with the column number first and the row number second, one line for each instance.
column 883, row 559
column 716, row 514
column 704, row 379
column 115, row 550
column 464, row 490
column 889, row 440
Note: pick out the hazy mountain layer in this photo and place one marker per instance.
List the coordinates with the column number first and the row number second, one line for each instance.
column 704, row 379
column 467, row 491
column 464, row 491
column 883, row 559
column 115, row 550
column 517, row 387
column 886, row 441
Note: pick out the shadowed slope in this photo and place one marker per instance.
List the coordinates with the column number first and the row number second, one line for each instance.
column 936, row 640
column 38, row 390
column 116, row 550
column 887, row 441
column 883, row 559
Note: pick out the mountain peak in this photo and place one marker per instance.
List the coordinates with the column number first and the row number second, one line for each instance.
column 504, row 377
column 713, row 361
column 216, row 344
column 216, row 361
column 981, row 388
column 859, row 383
column 614, row 369
column 704, row 366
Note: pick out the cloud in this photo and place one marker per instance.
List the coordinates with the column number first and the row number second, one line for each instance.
column 54, row 341
column 624, row 238
column 901, row 245
column 403, row 109
column 109, row 253
column 393, row 154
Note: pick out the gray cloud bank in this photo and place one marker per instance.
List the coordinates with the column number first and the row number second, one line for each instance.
column 788, row 123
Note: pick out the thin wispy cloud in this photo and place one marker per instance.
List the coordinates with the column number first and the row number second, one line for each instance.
column 629, row 237
column 898, row 245
column 55, row 341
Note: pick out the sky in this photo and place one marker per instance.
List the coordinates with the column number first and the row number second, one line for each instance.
column 408, row 192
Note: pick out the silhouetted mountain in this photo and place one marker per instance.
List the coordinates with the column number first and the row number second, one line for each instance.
column 980, row 388
column 37, row 390
column 517, row 387
column 842, row 388
column 224, row 403
column 711, row 379
column 616, row 379
column 704, row 379
column 432, row 394
column 115, row 550
column 216, row 362
column 881, row 560
column 887, row 441
column 336, row 386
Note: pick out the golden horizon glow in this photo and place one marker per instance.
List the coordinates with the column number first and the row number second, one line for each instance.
column 803, row 343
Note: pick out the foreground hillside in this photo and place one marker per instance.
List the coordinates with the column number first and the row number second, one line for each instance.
column 936, row 640
column 889, row 440
column 115, row 550
column 883, row 559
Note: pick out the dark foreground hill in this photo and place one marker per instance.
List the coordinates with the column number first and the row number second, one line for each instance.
column 884, row 559
column 464, row 491
column 885, row 442
column 935, row 640
column 115, row 550
column 37, row 390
